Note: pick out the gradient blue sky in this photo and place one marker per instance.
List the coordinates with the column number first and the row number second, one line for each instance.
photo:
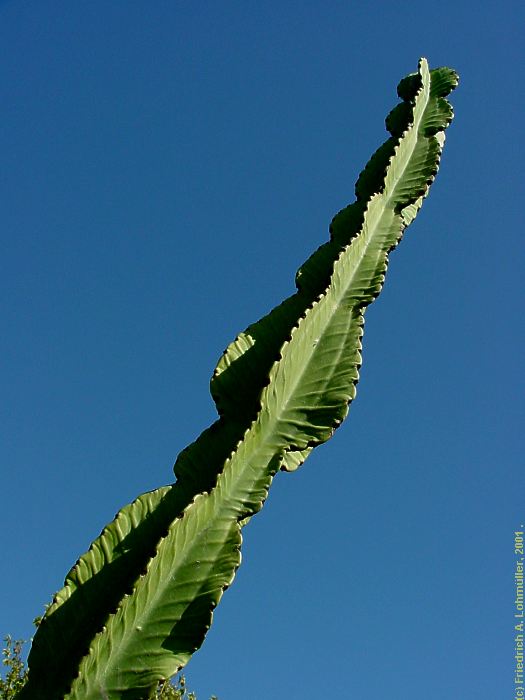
column 166, row 167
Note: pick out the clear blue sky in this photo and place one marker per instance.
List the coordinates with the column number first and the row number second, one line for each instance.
column 166, row 167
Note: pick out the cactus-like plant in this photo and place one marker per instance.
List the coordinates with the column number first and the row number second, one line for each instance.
column 137, row 605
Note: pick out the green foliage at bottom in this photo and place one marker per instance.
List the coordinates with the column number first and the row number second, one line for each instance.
column 16, row 675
